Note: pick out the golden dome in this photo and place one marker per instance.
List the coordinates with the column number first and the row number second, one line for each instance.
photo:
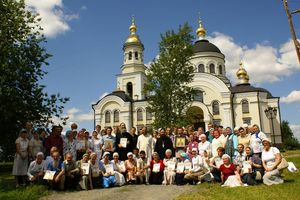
column 132, row 28
column 242, row 75
column 201, row 31
column 133, row 37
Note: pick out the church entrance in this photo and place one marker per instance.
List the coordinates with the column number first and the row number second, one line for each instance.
column 195, row 117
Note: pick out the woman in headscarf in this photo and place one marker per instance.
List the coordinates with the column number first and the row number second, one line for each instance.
column 181, row 169
column 85, row 171
column 119, row 168
column 231, row 143
column 35, row 145
column 131, row 168
column 70, row 144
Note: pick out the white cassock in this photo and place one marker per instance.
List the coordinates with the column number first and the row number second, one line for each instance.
column 145, row 143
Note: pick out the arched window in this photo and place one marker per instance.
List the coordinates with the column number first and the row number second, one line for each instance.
column 130, row 55
column 201, row 68
column 129, row 89
column 215, row 108
column 220, row 70
column 139, row 114
column 107, row 117
column 148, row 115
column 212, row 68
column 245, row 106
column 136, row 55
column 198, row 96
column 116, row 116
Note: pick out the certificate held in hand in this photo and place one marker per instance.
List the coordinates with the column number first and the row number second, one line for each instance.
column 180, row 168
column 156, row 167
column 171, row 165
column 109, row 169
column 49, row 175
column 85, row 167
column 123, row 142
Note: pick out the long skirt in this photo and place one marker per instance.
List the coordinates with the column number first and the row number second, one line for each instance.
column 108, row 181
column 232, row 181
column 272, row 178
column 156, row 178
column 20, row 166
column 120, row 179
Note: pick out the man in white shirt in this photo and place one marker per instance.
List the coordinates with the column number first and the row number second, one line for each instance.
column 145, row 143
column 256, row 139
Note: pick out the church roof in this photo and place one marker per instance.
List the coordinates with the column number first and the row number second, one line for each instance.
column 121, row 94
column 205, row 46
column 243, row 88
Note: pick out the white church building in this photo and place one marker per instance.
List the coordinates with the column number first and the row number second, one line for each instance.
column 217, row 101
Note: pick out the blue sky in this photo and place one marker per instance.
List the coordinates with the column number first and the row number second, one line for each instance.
column 85, row 38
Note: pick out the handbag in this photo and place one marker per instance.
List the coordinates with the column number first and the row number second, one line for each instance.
column 283, row 164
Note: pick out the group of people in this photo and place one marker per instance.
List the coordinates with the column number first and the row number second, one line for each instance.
column 114, row 157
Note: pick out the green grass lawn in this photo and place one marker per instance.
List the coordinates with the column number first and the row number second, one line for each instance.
column 7, row 187
column 290, row 189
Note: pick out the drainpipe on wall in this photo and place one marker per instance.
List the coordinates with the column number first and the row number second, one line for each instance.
column 94, row 117
column 131, row 113
column 259, row 110
column 232, row 110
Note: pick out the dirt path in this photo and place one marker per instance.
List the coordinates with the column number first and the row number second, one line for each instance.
column 130, row 192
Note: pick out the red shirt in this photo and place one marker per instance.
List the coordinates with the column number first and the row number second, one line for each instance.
column 54, row 140
column 152, row 162
column 227, row 171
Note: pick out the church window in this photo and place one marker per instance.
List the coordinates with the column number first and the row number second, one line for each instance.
column 212, row 68
column 107, row 117
column 148, row 115
column 245, row 106
column 130, row 56
column 129, row 89
column 216, row 122
column 201, row 68
column 215, row 108
column 116, row 116
column 220, row 70
column 139, row 114
column 136, row 55
column 247, row 120
column 198, row 96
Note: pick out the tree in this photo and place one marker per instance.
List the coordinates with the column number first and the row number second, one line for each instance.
column 168, row 78
column 288, row 139
column 22, row 59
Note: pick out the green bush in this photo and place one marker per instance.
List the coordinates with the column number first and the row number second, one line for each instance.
column 291, row 144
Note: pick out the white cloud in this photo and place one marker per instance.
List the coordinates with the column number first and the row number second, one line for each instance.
column 264, row 63
column 75, row 116
column 103, row 95
column 73, row 111
column 294, row 96
column 296, row 130
column 54, row 19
